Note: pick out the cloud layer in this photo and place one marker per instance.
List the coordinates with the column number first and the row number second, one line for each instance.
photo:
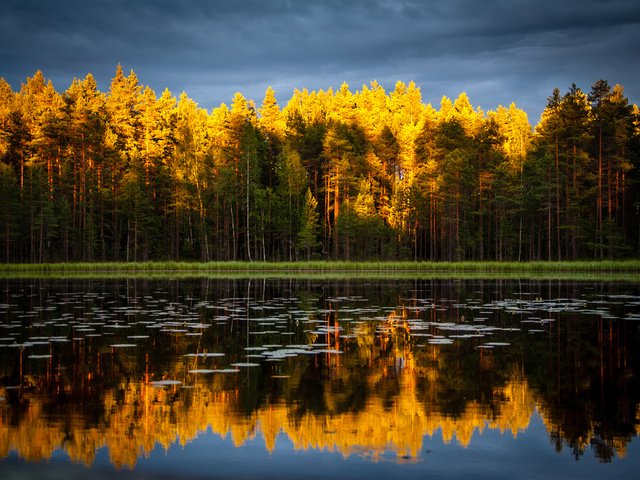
column 498, row 51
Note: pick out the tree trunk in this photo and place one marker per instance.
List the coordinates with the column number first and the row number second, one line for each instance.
column 233, row 233
column 599, row 238
column 558, row 231
column 247, row 199
column 549, row 213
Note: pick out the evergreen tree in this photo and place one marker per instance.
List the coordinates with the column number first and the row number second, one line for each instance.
column 310, row 225
column 127, row 175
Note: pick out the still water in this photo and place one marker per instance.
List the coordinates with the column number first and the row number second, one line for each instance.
column 212, row 378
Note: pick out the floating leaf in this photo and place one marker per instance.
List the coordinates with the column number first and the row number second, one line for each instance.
column 205, row 355
column 164, row 383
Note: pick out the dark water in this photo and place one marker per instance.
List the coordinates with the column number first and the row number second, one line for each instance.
column 312, row 379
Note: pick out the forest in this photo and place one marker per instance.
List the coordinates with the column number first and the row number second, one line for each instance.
column 126, row 175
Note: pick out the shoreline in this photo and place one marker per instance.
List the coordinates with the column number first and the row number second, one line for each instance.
column 628, row 270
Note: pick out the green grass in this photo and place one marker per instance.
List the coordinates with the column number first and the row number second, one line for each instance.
column 622, row 269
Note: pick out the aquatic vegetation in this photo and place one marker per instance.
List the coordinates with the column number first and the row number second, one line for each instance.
column 611, row 270
column 361, row 359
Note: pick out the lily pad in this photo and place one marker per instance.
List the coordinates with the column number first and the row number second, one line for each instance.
column 164, row 383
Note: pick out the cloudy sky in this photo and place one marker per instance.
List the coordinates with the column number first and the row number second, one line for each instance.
column 498, row 51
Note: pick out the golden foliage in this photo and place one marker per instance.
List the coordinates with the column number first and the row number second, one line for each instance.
column 136, row 417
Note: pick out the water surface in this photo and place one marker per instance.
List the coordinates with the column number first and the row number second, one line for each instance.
column 299, row 378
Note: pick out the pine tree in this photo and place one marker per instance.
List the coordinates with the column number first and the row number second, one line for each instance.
column 272, row 126
column 310, row 226
column 366, row 174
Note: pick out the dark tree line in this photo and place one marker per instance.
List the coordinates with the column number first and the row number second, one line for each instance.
column 128, row 175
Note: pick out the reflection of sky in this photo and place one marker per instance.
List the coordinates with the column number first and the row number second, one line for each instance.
column 490, row 455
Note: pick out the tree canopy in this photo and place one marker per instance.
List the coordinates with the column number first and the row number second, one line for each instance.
column 129, row 175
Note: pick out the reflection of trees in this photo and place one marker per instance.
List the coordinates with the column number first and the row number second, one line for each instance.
column 588, row 389
column 384, row 393
column 136, row 416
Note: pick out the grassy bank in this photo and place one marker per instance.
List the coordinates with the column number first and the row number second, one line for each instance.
column 328, row 269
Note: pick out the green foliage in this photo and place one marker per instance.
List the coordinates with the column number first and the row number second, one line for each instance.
column 127, row 175
column 310, row 225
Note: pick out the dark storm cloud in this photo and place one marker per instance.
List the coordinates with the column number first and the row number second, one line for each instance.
column 497, row 51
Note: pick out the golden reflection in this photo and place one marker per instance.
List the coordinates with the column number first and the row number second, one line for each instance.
column 134, row 417
column 408, row 390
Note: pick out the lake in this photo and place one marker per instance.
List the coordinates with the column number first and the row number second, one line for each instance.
column 354, row 379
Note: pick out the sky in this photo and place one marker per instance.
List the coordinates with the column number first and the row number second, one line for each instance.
column 497, row 51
